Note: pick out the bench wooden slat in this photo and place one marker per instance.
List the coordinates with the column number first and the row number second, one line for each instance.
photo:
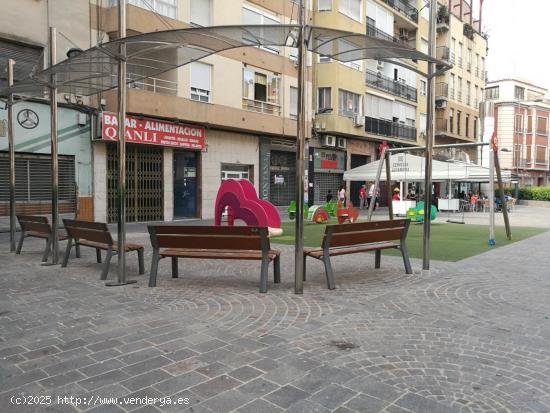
column 35, row 226
column 205, row 230
column 103, row 246
column 365, row 226
column 218, row 254
column 318, row 252
column 97, row 226
column 101, row 237
column 356, row 238
column 227, row 242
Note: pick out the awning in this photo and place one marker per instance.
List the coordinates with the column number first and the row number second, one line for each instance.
column 405, row 167
column 150, row 54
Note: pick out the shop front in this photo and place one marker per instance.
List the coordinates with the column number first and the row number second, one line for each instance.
column 162, row 169
column 277, row 171
column 329, row 166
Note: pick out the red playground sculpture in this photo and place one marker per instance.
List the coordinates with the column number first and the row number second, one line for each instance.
column 242, row 202
column 346, row 214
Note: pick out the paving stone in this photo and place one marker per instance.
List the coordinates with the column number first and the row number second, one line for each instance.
column 333, row 396
column 258, row 406
column 367, row 404
column 417, row 403
column 101, row 367
column 286, row 396
column 104, row 379
column 177, row 384
column 215, row 386
column 227, row 401
column 245, row 373
column 374, row 387
column 257, row 387
column 213, row 369
column 146, row 365
column 62, row 379
column 307, row 406
column 145, row 379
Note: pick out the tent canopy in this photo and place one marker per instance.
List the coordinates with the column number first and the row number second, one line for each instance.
column 405, row 167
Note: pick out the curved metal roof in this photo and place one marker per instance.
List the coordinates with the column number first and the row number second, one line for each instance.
column 150, row 54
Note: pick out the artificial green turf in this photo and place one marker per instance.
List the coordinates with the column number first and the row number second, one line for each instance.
column 449, row 242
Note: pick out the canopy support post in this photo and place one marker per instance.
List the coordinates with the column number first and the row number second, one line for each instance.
column 11, row 150
column 388, row 184
column 301, row 126
column 54, row 150
column 501, row 193
column 430, row 98
column 376, row 185
column 121, row 194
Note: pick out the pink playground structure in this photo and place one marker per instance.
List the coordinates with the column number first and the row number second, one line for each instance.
column 240, row 197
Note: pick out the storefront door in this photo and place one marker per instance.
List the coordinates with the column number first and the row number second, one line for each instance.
column 185, row 184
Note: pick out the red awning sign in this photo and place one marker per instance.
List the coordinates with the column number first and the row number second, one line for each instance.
column 153, row 132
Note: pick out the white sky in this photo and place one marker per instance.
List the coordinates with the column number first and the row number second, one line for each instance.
column 518, row 39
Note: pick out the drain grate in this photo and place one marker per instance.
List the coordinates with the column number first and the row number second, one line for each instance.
column 343, row 345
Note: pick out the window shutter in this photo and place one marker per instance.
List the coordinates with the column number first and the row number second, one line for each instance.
column 201, row 75
column 200, row 12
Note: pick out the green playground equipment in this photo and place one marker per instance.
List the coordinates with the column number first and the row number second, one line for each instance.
column 330, row 207
column 416, row 214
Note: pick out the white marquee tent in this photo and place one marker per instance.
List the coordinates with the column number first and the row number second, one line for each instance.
column 410, row 168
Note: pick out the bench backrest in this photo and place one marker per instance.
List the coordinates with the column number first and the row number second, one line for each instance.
column 209, row 237
column 365, row 232
column 34, row 223
column 90, row 231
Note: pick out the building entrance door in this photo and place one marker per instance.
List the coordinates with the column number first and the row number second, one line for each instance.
column 185, row 184
column 355, row 186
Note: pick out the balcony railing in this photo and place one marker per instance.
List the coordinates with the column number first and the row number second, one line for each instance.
column 373, row 31
column 442, row 53
column 459, row 96
column 405, row 8
column 477, row 71
column 452, row 58
column 441, row 90
column 468, row 100
column 389, row 128
column 387, row 84
column 459, row 62
column 440, row 125
column 261, row 107
column 153, row 84
column 469, row 67
column 451, row 93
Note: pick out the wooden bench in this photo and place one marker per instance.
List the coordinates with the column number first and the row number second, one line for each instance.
column 38, row 227
column 360, row 237
column 213, row 242
column 96, row 235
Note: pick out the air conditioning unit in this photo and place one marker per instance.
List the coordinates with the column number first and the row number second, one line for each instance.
column 328, row 140
column 320, row 125
column 404, row 34
column 341, row 143
column 441, row 104
column 380, row 66
column 358, row 120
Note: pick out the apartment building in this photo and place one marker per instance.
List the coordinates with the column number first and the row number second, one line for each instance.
column 522, row 110
column 361, row 105
column 24, row 38
column 459, row 91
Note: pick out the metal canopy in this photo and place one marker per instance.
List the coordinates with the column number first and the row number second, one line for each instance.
column 150, row 54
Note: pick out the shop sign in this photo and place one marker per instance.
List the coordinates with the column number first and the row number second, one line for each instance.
column 153, row 132
column 329, row 161
column 279, row 179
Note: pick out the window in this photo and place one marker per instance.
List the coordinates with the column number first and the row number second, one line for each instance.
column 200, row 81
column 542, row 126
column 468, row 89
column 459, row 87
column 261, row 92
column 255, row 16
column 232, row 171
column 293, row 102
column 378, row 108
column 423, row 123
column 453, row 49
column 351, row 8
column 379, row 20
column 467, row 125
column 451, row 119
column 201, row 12
column 452, row 91
column 491, row 93
column 458, row 113
column 540, row 154
column 348, row 103
column 459, row 51
column 163, row 7
column 530, row 124
column 324, row 5
column 425, row 12
column 324, row 101
column 424, row 46
column 323, row 59
column 469, row 60
column 475, row 128
column 423, row 87
column 519, row 123
column 519, row 92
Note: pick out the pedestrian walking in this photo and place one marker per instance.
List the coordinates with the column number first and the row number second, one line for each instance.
column 363, row 197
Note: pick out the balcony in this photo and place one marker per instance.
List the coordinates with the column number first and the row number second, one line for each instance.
column 443, row 22
column 390, row 129
column 451, row 93
column 387, row 84
column 476, row 71
column 441, row 126
column 468, row 101
column 261, row 107
column 441, row 91
column 459, row 61
column 443, row 53
column 153, row 84
column 403, row 7
column 375, row 32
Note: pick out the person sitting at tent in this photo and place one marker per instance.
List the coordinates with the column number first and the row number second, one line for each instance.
column 396, row 196
column 411, row 196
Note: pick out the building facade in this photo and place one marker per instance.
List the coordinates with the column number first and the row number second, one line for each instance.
column 522, row 110
column 459, row 91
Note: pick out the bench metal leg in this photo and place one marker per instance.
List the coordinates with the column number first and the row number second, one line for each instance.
column 141, row 262
column 77, row 249
column 20, row 245
column 174, row 267
column 304, row 267
column 67, row 252
column 377, row 258
column 263, row 274
column 277, row 269
column 154, row 268
column 406, row 261
column 98, row 255
column 47, row 250
column 107, row 264
column 328, row 272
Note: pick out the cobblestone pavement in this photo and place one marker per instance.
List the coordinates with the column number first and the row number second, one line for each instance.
column 471, row 336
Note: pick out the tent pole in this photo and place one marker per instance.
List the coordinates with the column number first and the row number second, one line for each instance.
column 54, row 147
column 388, row 185
column 300, row 146
column 501, row 193
column 376, row 185
column 11, row 149
column 430, row 98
